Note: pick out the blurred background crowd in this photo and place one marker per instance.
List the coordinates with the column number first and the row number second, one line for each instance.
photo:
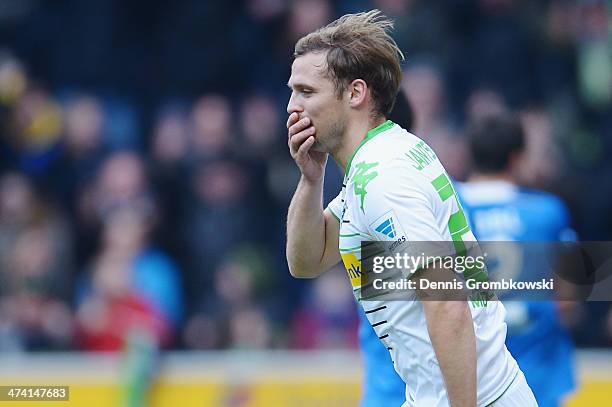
column 144, row 171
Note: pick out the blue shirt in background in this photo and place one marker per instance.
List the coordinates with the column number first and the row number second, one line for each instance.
column 382, row 386
column 501, row 211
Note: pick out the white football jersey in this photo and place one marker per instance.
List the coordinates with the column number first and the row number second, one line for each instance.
column 396, row 189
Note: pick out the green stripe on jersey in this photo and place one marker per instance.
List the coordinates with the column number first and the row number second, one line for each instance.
column 353, row 234
column 443, row 187
column 350, row 249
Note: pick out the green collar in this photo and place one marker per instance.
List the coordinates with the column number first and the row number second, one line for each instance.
column 370, row 135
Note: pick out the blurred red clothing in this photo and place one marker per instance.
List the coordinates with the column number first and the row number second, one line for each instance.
column 119, row 317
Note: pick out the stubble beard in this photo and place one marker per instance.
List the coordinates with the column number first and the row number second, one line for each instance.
column 332, row 140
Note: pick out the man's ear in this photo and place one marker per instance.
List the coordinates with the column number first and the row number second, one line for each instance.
column 358, row 90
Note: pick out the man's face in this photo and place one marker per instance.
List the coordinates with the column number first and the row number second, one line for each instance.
column 314, row 96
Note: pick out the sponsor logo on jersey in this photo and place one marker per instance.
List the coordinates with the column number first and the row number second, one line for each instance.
column 397, row 243
column 354, row 270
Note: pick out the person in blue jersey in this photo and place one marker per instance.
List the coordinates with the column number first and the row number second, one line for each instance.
column 500, row 210
column 381, row 385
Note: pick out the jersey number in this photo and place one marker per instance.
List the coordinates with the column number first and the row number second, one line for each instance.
column 457, row 224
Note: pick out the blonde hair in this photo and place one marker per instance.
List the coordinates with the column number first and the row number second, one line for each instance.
column 359, row 46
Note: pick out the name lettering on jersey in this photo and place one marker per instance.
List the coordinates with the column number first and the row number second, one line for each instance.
column 498, row 222
column 421, row 155
column 363, row 176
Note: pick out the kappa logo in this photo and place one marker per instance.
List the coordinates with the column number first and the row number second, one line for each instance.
column 363, row 176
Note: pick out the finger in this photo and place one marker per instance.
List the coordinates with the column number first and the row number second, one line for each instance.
column 304, row 149
column 299, row 126
column 292, row 119
column 296, row 140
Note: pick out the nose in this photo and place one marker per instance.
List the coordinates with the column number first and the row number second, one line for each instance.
column 293, row 105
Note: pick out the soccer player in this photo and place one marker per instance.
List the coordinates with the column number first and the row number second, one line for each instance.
column 344, row 79
column 499, row 210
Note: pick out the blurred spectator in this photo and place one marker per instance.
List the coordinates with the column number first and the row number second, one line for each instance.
column 595, row 54
column 260, row 127
column 120, row 180
column 484, row 102
column 211, row 133
column 236, row 313
column 239, row 288
column 13, row 79
column 259, row 43
column 250, row 329
column 264, row 10
column 32, row 137
column 262, row 138
column 327, row 317
column 170, row 144
column 13, row 83
column 501, row 54
column 170, row 178
column 84, row 124
column 306, row 16
column 556, row 59
column 283, row 176
column 35, row 270
column 542, row 156
column 131, row 299
column 424, row 86
column 420, row 26
column 130, row 287
column 423, row 83
column 218, row 218
column 82, row 150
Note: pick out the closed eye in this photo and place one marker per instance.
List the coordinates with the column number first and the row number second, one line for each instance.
column 300, row 88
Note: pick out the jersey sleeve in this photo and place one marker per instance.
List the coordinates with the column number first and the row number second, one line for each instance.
column 335, row 206
column 398, row 206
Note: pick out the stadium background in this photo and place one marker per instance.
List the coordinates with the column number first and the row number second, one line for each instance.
column 144, row 181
